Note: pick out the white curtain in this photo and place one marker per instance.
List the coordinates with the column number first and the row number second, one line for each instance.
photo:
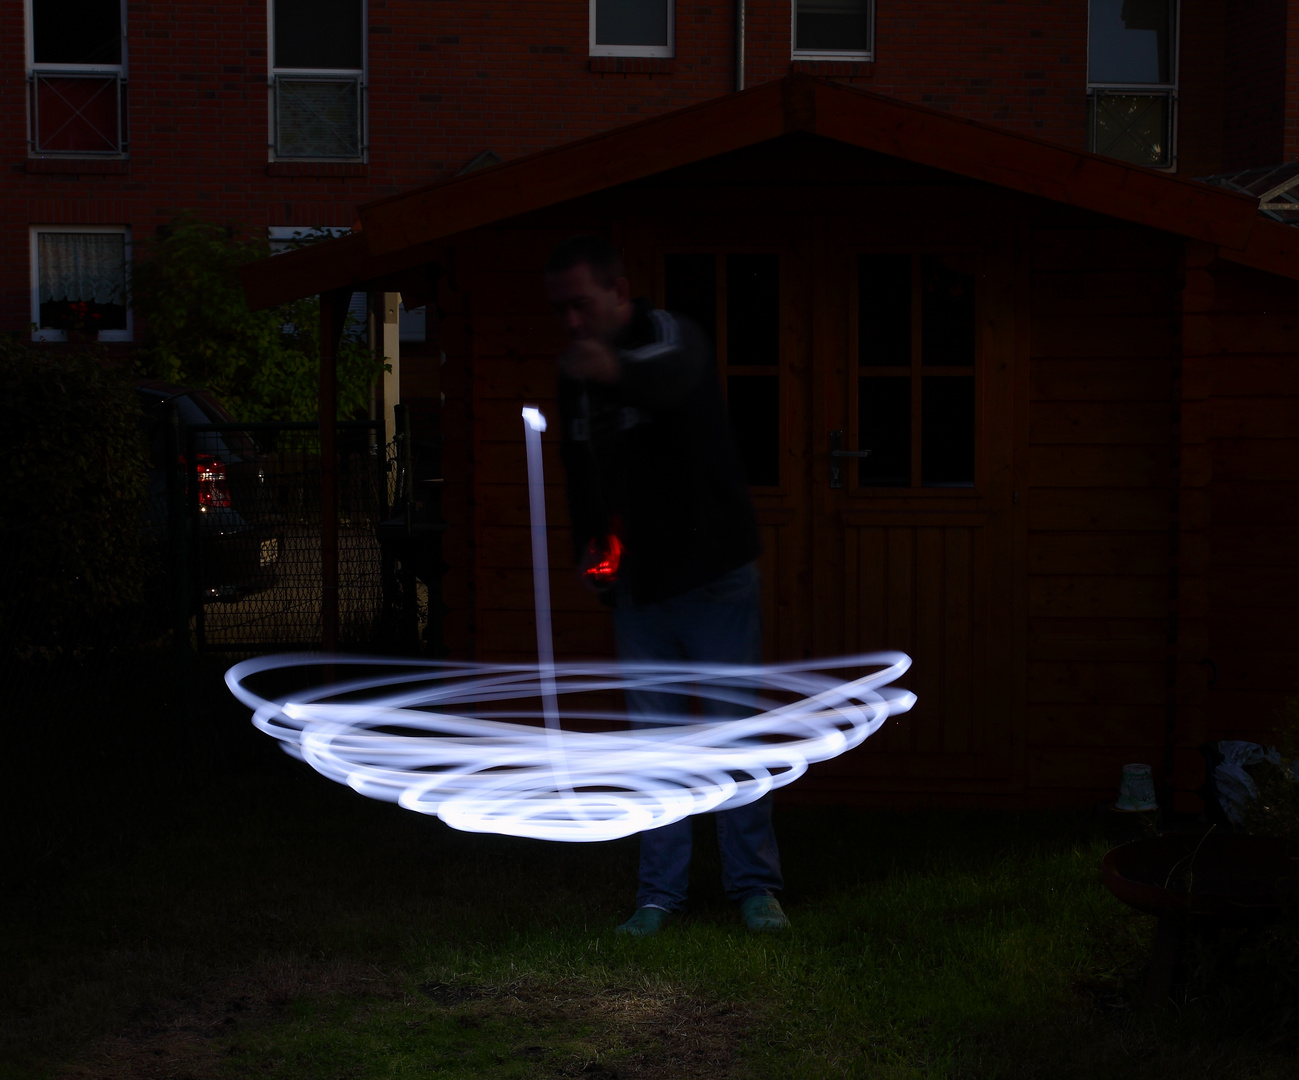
column 82, row 266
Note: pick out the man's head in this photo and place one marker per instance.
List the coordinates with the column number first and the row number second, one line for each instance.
column 588, row 289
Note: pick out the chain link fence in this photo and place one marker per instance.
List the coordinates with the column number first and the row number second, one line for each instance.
column 228, row 562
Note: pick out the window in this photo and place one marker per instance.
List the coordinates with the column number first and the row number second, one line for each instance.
column 834, row 29
column 76, row 77
column 1132, row 80
column 916, row 345
column 632, row 27
column 79, row 276
column 735, row 298
column 318, row 79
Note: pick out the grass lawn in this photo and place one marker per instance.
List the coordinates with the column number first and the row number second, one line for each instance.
column 181, row 900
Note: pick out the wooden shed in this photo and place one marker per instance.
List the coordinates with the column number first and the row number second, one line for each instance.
column 1077, row 381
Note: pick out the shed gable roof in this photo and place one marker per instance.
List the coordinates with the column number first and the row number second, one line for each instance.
column 402, row 231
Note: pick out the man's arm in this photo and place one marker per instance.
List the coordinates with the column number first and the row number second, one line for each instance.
column 662, row 372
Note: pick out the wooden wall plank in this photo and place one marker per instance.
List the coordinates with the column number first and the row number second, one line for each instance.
column 1077, row 596
column 1104, row 422
column 1118, row 553
column 1112, row 510
column 1098, row 379
column 1052, row 681
column 1137, row 336
column 1074, row 466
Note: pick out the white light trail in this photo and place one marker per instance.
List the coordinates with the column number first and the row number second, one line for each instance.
column 466, row 741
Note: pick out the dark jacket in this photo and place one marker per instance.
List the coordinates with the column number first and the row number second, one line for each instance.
column 653, row 452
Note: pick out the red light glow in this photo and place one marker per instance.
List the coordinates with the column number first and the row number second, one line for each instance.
column 212, row 490
column 604, row 571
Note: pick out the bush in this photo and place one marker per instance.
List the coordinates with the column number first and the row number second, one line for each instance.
column 71, row 501
column 198, row 330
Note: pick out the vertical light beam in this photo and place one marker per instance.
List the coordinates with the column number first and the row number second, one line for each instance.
column 533, row 425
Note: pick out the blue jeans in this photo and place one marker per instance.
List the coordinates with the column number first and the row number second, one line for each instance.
column 720, row 622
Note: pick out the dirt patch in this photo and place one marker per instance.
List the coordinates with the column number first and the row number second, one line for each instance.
column 186, row 1040
column 625, row 1034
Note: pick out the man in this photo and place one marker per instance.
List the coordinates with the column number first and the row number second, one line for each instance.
column 650, row 461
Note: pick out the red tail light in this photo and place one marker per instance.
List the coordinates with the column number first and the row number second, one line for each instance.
column 211, row 477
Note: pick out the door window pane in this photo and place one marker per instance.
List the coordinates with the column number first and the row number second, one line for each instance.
column 947, row 431
column 77, row 32
column 690, row 288
column 947, row 309
column 631, row 22
column 753, row 402
column 321, row 34
column 833, row 25
column 1130, row 41
column 884, row 310
column 884, row 428
column 752, row 309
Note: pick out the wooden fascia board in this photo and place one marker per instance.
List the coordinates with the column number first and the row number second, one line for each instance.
column 343, row 263
column 318, row 268
column 1088, row 181
column 575, row 169
column 1273, row 248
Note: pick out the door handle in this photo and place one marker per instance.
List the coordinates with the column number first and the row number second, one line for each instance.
column 836, row 453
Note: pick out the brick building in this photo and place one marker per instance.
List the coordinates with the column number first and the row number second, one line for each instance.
column 287, row 115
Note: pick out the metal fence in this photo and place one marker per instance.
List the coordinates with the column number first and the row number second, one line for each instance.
column 253, row 525
column 224, row 557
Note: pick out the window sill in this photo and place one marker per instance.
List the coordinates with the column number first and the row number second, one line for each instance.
column 861, row 68
column 98, row 166
column 633, row 65
column 317, row 168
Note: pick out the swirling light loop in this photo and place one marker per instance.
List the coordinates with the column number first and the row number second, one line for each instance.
column 416, row 734
column 420, row 737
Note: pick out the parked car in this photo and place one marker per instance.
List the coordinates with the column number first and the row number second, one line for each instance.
column 236, row 537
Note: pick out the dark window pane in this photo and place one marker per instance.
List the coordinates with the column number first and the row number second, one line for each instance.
column 884, row 428
column 947, row 309
column 77, row 114
column 318, row 34
column 1130, row 41
column 1133, row 127
column 318, row 118
column 690, row 288
column 839, row 25
column 754, row 404
column 631, row 22
column 947, row 431
column 884, row 310
column 77, row 31
column 752, row 309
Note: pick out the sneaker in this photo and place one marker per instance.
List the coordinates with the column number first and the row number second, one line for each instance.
column 645, row 922
column 763, row 914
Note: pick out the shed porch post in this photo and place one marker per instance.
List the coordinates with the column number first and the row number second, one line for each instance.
column 333, row 312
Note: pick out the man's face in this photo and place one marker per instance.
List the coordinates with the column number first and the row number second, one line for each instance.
column 585, row 306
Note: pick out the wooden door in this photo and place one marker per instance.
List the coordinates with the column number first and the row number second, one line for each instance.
column 917, row 549
column 915, row 544
column 748, row 284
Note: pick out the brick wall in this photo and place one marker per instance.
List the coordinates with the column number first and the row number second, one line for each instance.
column 447, row 81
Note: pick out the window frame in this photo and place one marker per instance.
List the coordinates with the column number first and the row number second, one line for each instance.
column 664, row 52
column 1168, row 91
column 273, row 75
column 858, row 55
column 50, row 334
column 35, row 70
column 916, row 371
